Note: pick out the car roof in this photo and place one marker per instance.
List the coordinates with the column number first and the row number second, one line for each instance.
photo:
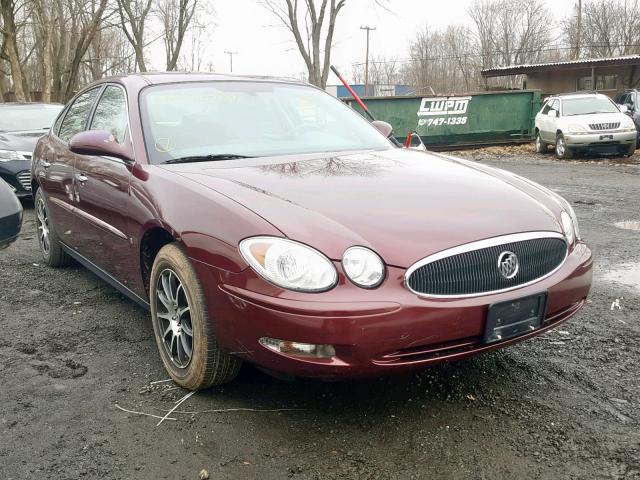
column 156, row 78
column 580, row 95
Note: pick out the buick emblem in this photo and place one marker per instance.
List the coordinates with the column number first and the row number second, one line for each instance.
column 508, row 264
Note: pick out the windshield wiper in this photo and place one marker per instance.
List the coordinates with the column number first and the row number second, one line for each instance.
column 206, row 158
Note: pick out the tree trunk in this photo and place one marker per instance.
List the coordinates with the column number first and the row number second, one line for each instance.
column 12, row 53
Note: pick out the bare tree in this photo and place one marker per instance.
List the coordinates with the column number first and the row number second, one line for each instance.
column 511, row 31
column 175, row 17
column 133, row 16
column 308, row 23
column 10, row 51
column 609, row 28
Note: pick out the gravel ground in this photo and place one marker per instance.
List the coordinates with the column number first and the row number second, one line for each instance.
column 564, row 405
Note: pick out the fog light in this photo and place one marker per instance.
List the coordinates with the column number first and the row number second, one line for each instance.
column 298, row 349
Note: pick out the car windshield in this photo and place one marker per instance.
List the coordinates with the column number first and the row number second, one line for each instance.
column 250, row 119
column 587, row 105
column 24, row 118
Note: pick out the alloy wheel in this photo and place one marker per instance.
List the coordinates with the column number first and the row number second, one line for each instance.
column 560, row 147
column 173, row 317
column 42, row 222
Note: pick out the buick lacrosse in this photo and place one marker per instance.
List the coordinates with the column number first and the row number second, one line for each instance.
column 263, row 220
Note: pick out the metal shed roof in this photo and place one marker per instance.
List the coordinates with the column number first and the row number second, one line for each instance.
column 559, row 66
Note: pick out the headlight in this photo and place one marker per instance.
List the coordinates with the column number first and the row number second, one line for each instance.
column 628, row 125
column 567, row 227
column 289, row 264
column 577, row 129
column 8, row 155
column 574, row 220
column 363, row 267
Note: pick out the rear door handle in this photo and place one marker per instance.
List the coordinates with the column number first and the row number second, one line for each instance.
column 81, row 177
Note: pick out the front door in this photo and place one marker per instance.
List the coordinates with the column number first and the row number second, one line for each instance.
column 58, row 166
column 102, row 189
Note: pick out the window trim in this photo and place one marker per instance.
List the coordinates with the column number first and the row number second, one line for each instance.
column 127, row 132
column 65, row 111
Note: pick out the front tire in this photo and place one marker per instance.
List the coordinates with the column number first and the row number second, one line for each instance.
column 541, row 147
column 562, row 151
column 189, row 350
column 629, row 150
column 48, row 240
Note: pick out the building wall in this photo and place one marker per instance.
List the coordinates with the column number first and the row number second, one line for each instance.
column 551, row 83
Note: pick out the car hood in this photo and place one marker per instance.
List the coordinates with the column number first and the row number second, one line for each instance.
column 20, row 142
column 596, row 118
column 404, row 204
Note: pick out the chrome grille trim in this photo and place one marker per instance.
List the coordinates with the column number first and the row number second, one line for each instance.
column 604, row 126
column 479, row 245
column 24, row 178
column 25, row 154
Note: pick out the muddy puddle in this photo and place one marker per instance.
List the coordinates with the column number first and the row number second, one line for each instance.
column 629, row 225
column 627, row 274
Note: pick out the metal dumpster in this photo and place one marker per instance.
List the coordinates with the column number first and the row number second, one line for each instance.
column 460, row 120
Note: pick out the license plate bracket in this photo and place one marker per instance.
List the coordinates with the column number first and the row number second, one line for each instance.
column 513, row 318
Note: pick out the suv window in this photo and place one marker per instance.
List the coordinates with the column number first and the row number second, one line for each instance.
column 546, row 107
column 111, row 113
column 554, row 105
column 77, row 114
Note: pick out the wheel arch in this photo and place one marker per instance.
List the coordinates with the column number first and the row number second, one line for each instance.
column 151, row 242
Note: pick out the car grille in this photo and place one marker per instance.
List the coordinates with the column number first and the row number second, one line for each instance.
column 474, row 271
column 604, row 126
column 24, row 178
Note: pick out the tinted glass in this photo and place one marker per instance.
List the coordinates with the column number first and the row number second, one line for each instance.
column 546, row 108
column 251, row 119
column 77, row 115
column 588, row 105
column 28, row 117
column 111, row 113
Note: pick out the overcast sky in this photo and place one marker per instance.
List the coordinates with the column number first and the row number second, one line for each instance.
column 264, row 48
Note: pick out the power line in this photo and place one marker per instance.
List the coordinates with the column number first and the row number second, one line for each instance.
column 496, row 52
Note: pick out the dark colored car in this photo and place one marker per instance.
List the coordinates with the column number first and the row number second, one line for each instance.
column 10, row 215
column 21, row 124
column 630, row 99
column 263, row 220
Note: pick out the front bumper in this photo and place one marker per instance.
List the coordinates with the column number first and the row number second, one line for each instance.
column 601, row 139
column 17, row 173
column 374, row 332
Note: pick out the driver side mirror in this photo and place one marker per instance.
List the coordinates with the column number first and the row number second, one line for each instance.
column 383, row 127
column 624, row 108
column 101, row 143
column 553, row 113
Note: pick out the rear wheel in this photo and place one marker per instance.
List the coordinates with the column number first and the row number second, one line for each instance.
column 50, row 246
column 562, row 151
column 541, row 147
column 183, row 331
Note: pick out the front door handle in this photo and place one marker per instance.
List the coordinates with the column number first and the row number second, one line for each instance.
column 81, row 177
column 45, row 164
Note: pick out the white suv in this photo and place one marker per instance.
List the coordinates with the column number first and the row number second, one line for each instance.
column 584, row 121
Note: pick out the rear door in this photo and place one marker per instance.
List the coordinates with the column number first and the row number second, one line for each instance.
column 103, row 192
column 57, row 162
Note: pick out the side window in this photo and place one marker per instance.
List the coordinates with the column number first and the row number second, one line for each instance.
column 546, row 108
column 77, row 115
column 555, row 105
column 111, row 113
column 56, row 124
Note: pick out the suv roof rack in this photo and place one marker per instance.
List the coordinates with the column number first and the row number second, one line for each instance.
column 580, row 92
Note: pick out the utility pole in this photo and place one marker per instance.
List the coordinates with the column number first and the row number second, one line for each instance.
column 231, row 54
column 366, row 63
column 579, row 30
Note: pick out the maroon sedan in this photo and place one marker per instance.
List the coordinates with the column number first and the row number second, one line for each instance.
column 262, row 220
